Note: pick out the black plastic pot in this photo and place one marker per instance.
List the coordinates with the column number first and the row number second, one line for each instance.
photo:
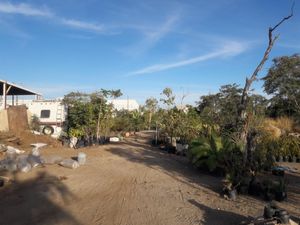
column 244, row 189
column 269, row 212
column 280, row 196
column 1, row 183
column 283, row 216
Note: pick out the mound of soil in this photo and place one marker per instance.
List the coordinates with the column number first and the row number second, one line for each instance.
column 24, row 139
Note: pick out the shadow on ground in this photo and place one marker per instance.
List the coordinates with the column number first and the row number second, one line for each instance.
column 35, row 201
column 181, row 170
column 172, row 165
column 216, row 217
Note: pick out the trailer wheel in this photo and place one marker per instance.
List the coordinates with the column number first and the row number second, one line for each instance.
column 48, row 130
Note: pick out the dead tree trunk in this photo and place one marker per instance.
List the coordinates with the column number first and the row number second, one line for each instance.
column 242, row 118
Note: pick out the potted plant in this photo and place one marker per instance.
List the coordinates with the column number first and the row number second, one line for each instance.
column 280, row 190
column 229, row 190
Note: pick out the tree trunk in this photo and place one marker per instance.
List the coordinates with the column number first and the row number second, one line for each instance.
column 242, row 122
column 98, row 125
column 150, row 119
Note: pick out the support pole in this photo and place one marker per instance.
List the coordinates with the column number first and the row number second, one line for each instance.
column 4, row 95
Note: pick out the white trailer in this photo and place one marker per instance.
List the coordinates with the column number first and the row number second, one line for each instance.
column 51, row 114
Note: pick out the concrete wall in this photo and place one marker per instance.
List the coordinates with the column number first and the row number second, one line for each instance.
column 4, row 121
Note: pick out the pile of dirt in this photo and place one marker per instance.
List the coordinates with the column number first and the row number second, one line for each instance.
column 24, row 139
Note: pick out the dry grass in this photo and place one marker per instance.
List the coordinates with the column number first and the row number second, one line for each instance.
column 277, row 127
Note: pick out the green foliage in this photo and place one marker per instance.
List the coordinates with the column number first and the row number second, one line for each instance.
column 283, row 82
column 73, row 132
column 89, row 114
column 35, row 123
column 150, row 109
column 168, row 97
column 205, row 153
column 129, row 121
column 290, row 146
column 221, row 109
column 285, row 146
column 183, row 123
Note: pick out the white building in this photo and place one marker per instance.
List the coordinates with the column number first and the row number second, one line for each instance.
column 124, row 104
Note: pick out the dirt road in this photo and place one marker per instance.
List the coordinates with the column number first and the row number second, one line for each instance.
column 123, row 184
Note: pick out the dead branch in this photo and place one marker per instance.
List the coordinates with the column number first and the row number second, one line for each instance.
column 264, row 59
column 241, row 123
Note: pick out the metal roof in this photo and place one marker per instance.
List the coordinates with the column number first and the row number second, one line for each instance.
column 14, row 89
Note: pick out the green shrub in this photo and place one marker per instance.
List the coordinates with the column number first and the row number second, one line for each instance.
column 35, row 123
column 204, row 153
column 290, row 146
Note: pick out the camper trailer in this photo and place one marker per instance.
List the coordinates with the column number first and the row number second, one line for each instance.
column 51, row 114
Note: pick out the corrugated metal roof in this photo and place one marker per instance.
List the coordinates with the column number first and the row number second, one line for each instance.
column 16, row 89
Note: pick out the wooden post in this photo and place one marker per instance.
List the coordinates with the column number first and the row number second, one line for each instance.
column 4, row 95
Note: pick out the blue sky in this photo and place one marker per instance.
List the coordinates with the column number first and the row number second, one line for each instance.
column 192, row 46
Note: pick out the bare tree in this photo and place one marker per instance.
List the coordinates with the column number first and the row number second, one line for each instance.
column 242, row 118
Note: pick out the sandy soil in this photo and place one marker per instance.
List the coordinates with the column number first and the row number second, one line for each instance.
column 125, row 184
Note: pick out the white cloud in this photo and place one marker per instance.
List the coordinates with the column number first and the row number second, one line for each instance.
column 23, row 9
column 78, row 24
column 151, row 33
column 154, row 35
column 229, row 49
column 29, row 10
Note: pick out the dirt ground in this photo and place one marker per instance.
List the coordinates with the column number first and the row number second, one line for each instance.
column 126, row 183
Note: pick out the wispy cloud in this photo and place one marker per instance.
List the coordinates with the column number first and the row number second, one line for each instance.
column 78, row 24
column 23, row 9
column 154, row 35
column 29, row 10
column 229, row 49
column 151, row 34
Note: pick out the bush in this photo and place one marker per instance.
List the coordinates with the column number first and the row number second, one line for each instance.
column 35, row 123
column 278, row 127
column 267, row 148
column 204, row 153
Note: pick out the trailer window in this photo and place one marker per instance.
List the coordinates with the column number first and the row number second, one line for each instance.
column 45, row 113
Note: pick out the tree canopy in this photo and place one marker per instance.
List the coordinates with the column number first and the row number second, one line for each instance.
column 283, row 83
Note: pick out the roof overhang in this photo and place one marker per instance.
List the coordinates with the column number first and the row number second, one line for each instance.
column 13, row 89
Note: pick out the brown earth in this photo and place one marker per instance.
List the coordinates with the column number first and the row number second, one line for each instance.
column 126, row 183
column 22, row 140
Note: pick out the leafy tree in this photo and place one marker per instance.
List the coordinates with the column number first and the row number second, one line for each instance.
column 180, row 122
column 209, row 108
column 89, row 115
column 168, row 97
column 104, row 110
column 151, row 107
column 283, row 82
column 221, row 108
column 125, row 120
